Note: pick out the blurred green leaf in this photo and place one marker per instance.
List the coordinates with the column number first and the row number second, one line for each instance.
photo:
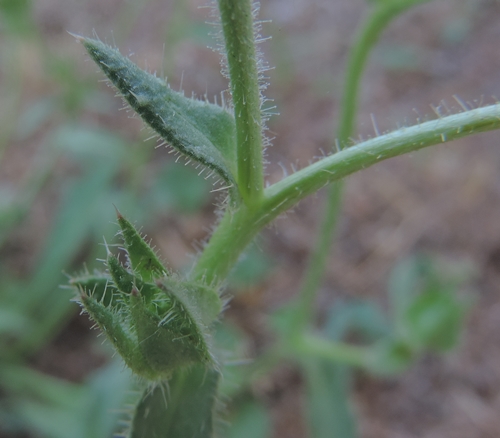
column 88, row 144
column 362, row 318
column 435, row 319
column 252, row 267
column 15, row 15
column 180, row 188
column 403, row 286
column 12, row 321
column 37, row 113
column 58, row 409
column 328, row 391
column 41, row 298
column 251, row 420
column 402, row 57
column 426, row 310
column 390, row 356
column 233, row 346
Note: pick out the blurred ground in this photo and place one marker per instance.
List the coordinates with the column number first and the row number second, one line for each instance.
column 444, row 201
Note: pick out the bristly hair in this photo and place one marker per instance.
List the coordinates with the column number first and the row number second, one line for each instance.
column 262, row 65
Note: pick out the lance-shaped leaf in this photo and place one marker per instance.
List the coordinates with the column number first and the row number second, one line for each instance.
column 143, row 259
column 185, row 409
column 124, row 281
column 99, row 286
column 111, row 323
column 204, row 132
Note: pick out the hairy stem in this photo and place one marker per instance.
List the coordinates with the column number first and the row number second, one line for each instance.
column 336, row 352
column 237, row 27
column 376, row 22
column 238, row 227
column 318, row 258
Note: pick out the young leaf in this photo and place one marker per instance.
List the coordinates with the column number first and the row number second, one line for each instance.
column 143, row 259
column 184, row 409
column 123, row 280
column 435, row 319
column 329, row 410
column 99, row 286
column 111, row 324
column 204, row 132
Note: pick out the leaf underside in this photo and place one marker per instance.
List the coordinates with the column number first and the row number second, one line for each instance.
column 203, row 131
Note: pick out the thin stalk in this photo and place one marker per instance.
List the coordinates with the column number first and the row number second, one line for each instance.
column 237, row 228
column 238, row 30
column 368, row 36
column 317, row 260
column 377, row 21
column 337, row 352
column 235, row 231
column 287, row 192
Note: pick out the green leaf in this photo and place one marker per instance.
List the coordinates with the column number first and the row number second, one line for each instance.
column 50, row 407
column 180, row 188
column 99, row 286
column 426, row 310
column 364, row 318
column 113, row 326
column 404, row 283
column 251, row 420
column 143, row 259
column 252, row 267
column 123, row 280
column 183, row 408
column 329, row 411
column 204, row 132
column 435, row 320
column 390, row 356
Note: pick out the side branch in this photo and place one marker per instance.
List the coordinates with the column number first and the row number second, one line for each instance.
column 238, row 227
column 287, row 192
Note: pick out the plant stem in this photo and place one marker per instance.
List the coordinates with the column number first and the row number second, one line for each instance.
column 235, row 231
column 237, row 27
column 377, row 21
column 318, row 258
column 237, row 228
column 309, row 345
column 287, row 192
column 371, row 29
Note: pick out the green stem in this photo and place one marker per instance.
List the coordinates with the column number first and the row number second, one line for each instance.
column 237, row 228
column 368, row 36
column 287, row 192
column 318, row 258
column 309, row 345
column 375, row 24
column 237, row 27
column 235, row 231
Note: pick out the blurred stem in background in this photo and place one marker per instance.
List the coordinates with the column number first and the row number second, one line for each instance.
column 379, row 17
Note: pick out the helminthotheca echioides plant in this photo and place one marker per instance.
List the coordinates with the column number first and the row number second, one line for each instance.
column 160, row 322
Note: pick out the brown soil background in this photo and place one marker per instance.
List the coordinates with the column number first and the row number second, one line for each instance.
column 444, row 201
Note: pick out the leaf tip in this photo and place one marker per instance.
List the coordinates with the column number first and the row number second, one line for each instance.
column 119, row 216
column 79, row 38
